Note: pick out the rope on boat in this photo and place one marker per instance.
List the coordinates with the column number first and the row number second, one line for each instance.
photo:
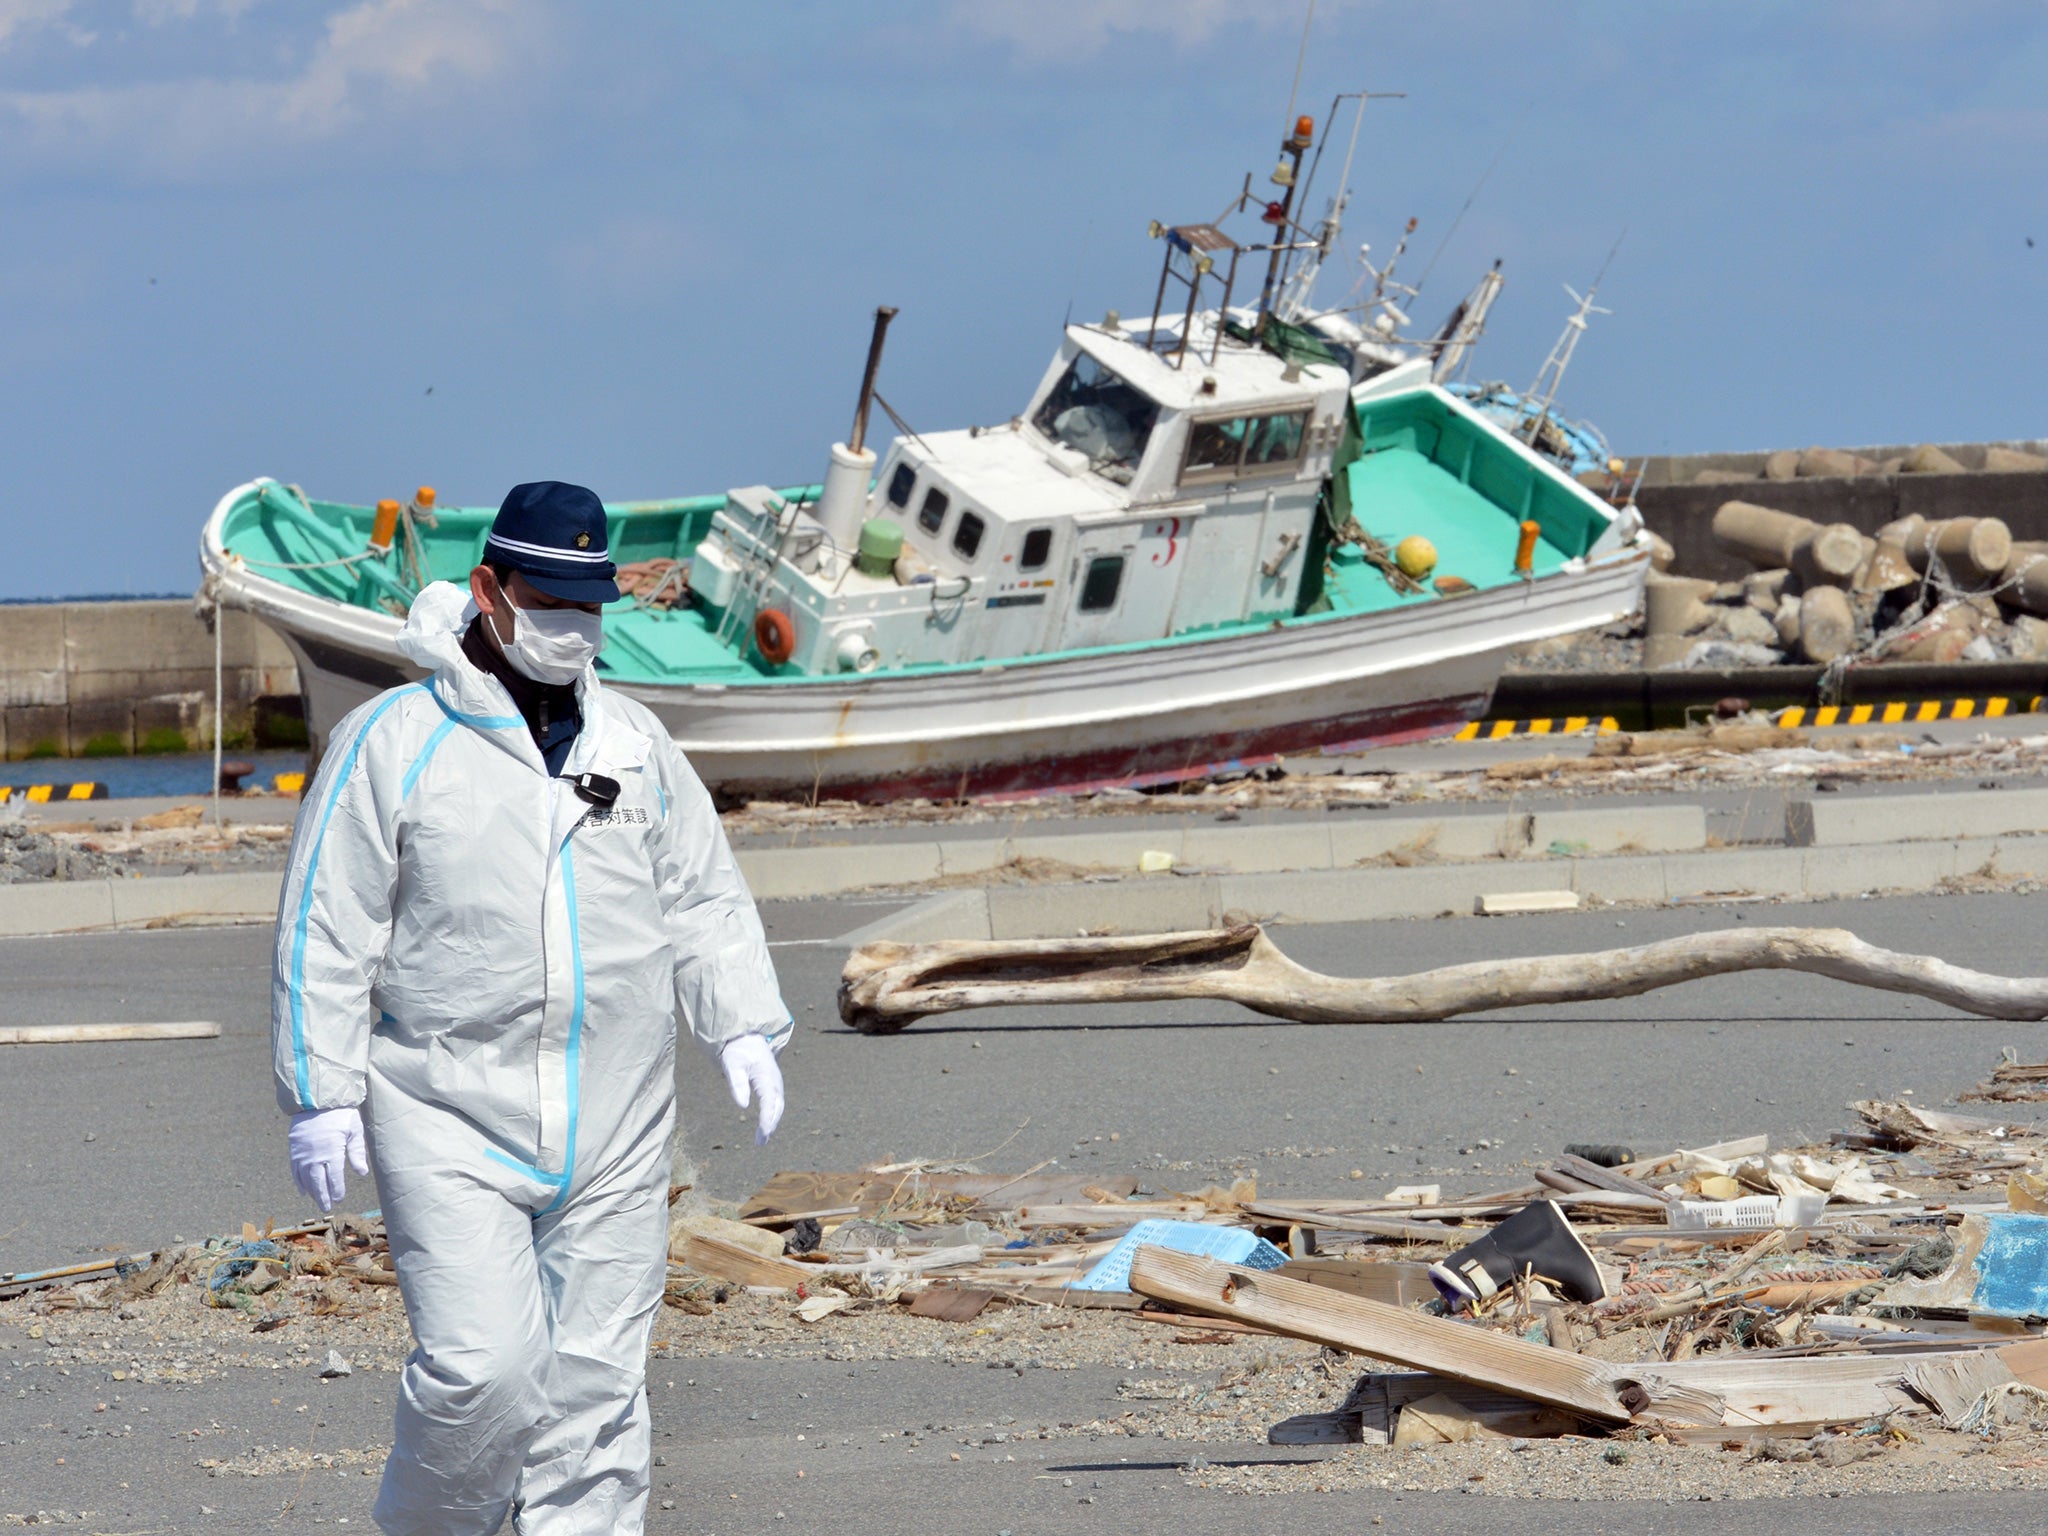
column 306, row 565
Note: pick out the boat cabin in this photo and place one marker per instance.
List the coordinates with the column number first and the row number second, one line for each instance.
column 1157, row 483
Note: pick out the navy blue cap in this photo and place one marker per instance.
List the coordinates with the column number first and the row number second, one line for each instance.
column 553, row 534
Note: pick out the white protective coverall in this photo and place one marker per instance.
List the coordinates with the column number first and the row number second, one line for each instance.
column 493, row 966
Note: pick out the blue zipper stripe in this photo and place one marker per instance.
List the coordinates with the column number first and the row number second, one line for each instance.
column 302, row 1065
column 419, row 764
column 481, row 722
column 527, row 1169
column 575, row 1027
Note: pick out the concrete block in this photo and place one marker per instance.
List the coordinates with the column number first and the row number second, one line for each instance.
column 949, row 915
column 1154, row 904
column 1638, row 829
column 1367, row 895
column 1850, row 871
column 1835, row 819
column 1247, row 849
column 109, row 637
column 781, row 873
column 1100, row 850
column 19, row 686
column 1625, row 880
column 1429, row 838
column 32, row 637
column 245, row 897
column 129, row 681
column 185, row 713
column 1736, row 871
column 108, row 723
column 1508, row 903
column 55, row 906
column 32, row 728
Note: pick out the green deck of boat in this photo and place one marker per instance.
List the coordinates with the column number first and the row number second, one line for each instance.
column 1421, row 467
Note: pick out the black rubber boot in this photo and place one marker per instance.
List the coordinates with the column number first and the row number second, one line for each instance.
column 1535, row 1243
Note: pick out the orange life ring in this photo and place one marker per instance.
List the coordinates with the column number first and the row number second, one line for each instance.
column 774, row 636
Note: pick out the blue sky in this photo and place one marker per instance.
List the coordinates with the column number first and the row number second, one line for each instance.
column 638, row 245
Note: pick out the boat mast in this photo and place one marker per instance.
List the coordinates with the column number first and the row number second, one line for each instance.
column 1465, row 325
column 1543, row 393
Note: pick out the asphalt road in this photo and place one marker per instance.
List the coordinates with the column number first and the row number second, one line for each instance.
column 123, row 1147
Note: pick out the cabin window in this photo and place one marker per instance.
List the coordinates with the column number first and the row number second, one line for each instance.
column 1223, row 448
column 931, row 517
column 1215, row 445
column 900, row 485
column 967, row 537
column 1099, row 586
column 1037, row 546
column 1094, row 412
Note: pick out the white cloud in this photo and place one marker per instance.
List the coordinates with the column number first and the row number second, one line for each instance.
column 377, row 54
column 1043, row 29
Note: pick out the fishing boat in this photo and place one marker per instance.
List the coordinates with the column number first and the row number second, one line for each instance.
column 1226, row 533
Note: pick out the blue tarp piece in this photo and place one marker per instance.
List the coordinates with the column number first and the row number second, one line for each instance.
column 1233, row 1245
column 2012, row 1267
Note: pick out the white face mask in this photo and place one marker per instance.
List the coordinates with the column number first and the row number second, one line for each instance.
column 554, row 645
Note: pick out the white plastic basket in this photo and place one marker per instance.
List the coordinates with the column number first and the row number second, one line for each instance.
column 1749, row 1211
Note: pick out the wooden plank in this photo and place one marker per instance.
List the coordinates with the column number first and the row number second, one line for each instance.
column 1121, row 1214
column 791, row 1218
column 1954, row 1382
column 1816, row 1389
column 868, row 1192
column 1734, row 1392
column 1323, row 1316
column 86, row 1034
column 1587, row 1172
column 728, row 1261
column 1398, row 1283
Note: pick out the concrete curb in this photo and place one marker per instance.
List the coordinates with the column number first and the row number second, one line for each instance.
column 88, row 906
column 1161, row 903
column 1332, row 844
column 1298, row 872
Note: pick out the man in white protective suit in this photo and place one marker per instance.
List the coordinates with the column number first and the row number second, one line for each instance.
column 505, row 886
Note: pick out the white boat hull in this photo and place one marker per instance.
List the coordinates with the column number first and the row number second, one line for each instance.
column 1144, row 715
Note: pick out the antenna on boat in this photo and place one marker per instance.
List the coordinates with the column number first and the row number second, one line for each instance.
column 1295, row 287
column 1543, row 393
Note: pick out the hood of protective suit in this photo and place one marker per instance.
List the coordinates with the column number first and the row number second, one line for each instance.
column 432, row 637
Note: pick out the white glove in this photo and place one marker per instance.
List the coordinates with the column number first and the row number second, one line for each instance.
column 750, row 1069
column 320, row 1140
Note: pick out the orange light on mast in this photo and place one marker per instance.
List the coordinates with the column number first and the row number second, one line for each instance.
column 1305, row 129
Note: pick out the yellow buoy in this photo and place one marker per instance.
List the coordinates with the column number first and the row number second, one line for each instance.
column 1416, row 556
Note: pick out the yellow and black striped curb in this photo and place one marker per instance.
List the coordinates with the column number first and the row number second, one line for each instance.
column 1556, row 725
column 39, row 793
column 1908, row 712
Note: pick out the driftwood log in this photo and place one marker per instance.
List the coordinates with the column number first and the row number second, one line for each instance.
column 888, row 986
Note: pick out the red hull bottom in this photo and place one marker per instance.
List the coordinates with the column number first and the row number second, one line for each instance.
column 1143, row 765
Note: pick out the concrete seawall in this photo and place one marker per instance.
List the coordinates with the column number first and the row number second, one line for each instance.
column 99, row 679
